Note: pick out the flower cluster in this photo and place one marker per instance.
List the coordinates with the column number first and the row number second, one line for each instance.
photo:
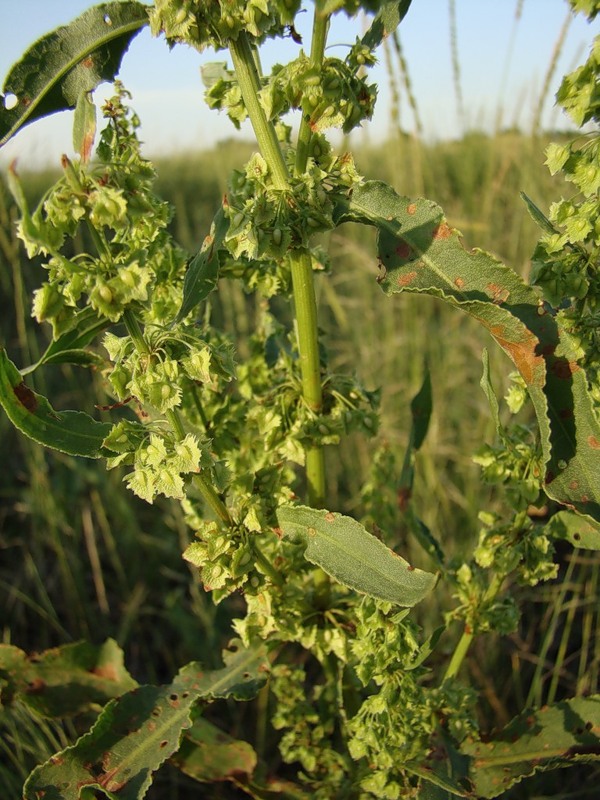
column 212, row 23
column 266, row 222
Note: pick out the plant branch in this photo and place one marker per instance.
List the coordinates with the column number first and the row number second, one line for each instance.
column 317, row 53
column 249, row 83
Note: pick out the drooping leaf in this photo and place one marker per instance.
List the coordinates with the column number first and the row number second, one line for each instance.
column 556, row 736
column 71, row 432
column 348, row 552
column 66, row 680
column 84, row 126
column 68, row 348
column 387, row 19
column 488, row 389
column 209, row 755
column 203, row 271
column 581, row 531
column 420, row 252
column 136, row 733
column 73, row 59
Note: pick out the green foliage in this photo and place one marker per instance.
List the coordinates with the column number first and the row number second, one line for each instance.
column 65, row 65
column 366, row 702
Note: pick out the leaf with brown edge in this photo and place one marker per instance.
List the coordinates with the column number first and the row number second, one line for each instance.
column 420, row 252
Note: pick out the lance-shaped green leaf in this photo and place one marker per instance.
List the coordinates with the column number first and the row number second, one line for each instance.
column 348, row 552
column 209, row 755
column 69, row 347
column 555, row 736
column 66, row 680
column 136, row 733
column 420, row 252
column 387, row 19
column 71, row 432
column 72, row 60
column 203, row 271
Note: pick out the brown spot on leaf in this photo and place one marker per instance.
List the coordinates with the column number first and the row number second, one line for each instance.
column 443, row 231
column 329, row 516
column 26, row 397
column 498, row 294
column 523, row 353
column 36, row 686
column 593, row 442
column 410, row 568
column 407, row 279
column 563, row 369
column 411, row 209
column 403, row 497
column 403, row 250
column 88, row 62
column 107, row 671
column 459, row 283
column 574, row 485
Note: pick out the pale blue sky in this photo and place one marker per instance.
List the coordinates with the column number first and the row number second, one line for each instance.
column 498, row 72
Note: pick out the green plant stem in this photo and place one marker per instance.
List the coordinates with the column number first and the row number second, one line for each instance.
column 468, row 635
column 249, row 83
column 302, row 276
column 317, row 53
column 310, row 369
column 206, row 489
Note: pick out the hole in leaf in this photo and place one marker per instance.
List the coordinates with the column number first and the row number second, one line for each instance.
column 10, row 101
column 107, row 19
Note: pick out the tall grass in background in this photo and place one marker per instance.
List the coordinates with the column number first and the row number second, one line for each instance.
column 83, row 558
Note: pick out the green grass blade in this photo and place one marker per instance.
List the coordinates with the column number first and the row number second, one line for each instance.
column 71, row 432
column 348, row 552
column 73, row 59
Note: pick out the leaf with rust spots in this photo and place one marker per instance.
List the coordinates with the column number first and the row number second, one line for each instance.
column 64, row 681
column 551, row 738
column 136, row 733
column 522, row 352
column 442, row 231
column 536, row 341
column 406, row 279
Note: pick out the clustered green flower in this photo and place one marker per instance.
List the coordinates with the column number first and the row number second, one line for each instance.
column 208, row 23
column 566, row 262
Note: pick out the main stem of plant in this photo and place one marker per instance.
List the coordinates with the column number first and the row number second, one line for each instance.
column 301, row 265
